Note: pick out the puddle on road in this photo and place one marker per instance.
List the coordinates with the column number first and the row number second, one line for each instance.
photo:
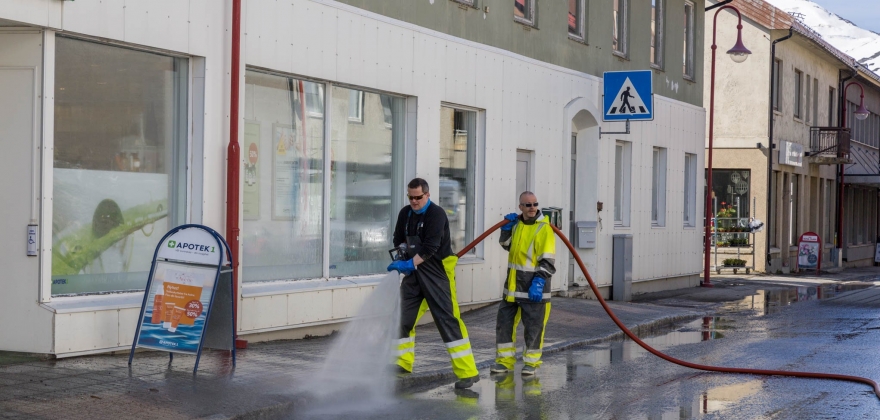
column 766, row 302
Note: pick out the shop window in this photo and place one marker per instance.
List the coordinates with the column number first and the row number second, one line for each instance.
column 690, row 190
column 688, row 41
column 576, row 19
column 120, row 158
column 524, row 11
column 658, row 187
column 622, row 170
column 830, row 197
column 731, row 193
column 283, row 191
column 658, row 32
column 458, row 164
column 620, row 27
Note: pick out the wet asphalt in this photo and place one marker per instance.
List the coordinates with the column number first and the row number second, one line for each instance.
column 824, row 324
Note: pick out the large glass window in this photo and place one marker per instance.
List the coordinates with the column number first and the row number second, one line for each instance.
column 690, row 189
column 119, row 176
column 366, row 181
column 576, row 19
column 730, row 188
column 658, row 29
column 688, row 60
column 456, row 192
column 619, row 37
column 284, row 182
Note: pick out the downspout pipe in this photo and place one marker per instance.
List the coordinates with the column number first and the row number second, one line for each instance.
column 233, row 162
column 841, row 185
column 770, row 140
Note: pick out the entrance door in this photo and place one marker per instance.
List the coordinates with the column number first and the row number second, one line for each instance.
column 523, row 173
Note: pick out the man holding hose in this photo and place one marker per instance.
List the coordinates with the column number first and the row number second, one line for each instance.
column 530, row 263
column 429, row 282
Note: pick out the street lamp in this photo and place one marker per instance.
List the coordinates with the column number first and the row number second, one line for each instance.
column 738, row 54
column 861, row 111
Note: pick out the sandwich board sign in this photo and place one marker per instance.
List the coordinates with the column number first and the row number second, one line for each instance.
column 809, row 252
column 628, row 95
column 188, row 298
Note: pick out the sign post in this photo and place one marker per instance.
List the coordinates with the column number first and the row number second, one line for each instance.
column 188, row 298
column 809, row 252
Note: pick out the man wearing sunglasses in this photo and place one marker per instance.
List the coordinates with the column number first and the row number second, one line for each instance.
column 422, row 229
column 530, row 263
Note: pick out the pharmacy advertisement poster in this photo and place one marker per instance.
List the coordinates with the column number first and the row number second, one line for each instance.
column 177, row 307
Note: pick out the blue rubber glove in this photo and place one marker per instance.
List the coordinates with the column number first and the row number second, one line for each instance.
column 512, row 221
column 536, row 291
column 404, row 267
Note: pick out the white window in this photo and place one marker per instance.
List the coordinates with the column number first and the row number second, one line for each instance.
column 576, row 19
column 798, row 94
column 688, row 60
column 620, row 27
column 690, row 189
column 524, row 11
column 658, row 187
column 120, row 163
column 622, row 159
column 777, row 83
column 355, row 106
column 658, row 30
column 458, row 172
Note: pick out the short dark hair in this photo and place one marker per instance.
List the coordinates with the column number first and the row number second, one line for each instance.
column 418, row 182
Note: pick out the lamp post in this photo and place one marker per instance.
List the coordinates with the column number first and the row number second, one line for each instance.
column 861, row 113
column 738, row 54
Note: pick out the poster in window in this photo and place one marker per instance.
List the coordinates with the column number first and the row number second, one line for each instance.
column 286, row 172
column 251, row 189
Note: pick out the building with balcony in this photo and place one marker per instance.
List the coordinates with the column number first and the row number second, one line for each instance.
column 117, row 118
column 791, row 101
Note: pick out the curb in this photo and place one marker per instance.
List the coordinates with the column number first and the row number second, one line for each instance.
column 422, row 378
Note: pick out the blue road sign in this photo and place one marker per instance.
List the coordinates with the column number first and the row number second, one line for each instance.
column 628, row 95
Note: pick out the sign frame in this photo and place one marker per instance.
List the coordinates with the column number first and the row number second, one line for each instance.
column 195, row 257
column 811, row 244
column 642, row 82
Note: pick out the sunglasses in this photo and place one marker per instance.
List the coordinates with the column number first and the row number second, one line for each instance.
column 529, row 205
column 415, row 197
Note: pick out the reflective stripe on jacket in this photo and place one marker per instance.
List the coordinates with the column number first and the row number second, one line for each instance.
column 531, row 252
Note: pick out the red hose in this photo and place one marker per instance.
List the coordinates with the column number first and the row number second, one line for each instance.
column 657, row 353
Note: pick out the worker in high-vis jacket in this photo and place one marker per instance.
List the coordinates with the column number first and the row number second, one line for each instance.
column 531, row 247
column 429, row 282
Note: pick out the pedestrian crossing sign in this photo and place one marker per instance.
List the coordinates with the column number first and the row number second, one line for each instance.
column 628, row 95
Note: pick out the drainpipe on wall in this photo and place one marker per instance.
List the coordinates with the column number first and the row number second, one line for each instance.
column 770, row 139
column 841, row 185
column 233, row 165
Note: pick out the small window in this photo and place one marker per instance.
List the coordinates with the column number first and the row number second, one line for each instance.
column 576, row 19
column 658, row 187
column 622, row 153
column 658, row 29
column 688, row 60
column 777, row 83
column 524, row 11
column 798, row 94
column 621, row 18
column 355, row 106
column 690, row 189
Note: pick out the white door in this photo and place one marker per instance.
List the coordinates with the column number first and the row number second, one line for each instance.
column 523, row 173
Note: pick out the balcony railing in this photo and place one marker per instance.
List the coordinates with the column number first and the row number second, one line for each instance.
column 829, row 145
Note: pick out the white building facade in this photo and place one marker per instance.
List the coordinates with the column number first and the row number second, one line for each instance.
column 115, row 122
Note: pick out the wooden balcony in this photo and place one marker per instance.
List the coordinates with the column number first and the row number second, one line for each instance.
column 828, row 146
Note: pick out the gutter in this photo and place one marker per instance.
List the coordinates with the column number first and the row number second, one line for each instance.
column 771, row 146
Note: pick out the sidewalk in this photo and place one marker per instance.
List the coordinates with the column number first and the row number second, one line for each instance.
column 264, row 382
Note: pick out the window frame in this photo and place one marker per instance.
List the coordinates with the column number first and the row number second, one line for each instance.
column 689, row 212
column 808, row 99
column 622, row 26
column 359, row 118
column 689, row 64
column 531, row 20
column 581, row 21
column 658, row 186
column 798, row 95
column 623, row 170
column 470, row 3
column 658, row 38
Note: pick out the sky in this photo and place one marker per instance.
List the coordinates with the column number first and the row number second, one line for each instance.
column 864, row 13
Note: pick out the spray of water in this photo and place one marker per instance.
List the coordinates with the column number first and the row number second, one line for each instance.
column 356, row 373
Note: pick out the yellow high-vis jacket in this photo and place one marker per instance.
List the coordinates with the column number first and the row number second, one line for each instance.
column 531, row 252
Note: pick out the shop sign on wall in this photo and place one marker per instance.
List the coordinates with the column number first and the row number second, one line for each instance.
column 791, row 153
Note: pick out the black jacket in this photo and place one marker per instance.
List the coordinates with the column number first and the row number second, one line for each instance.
column 432, row 228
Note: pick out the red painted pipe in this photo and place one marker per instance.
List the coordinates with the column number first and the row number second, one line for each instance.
column 657, row 353
column 233, row 164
